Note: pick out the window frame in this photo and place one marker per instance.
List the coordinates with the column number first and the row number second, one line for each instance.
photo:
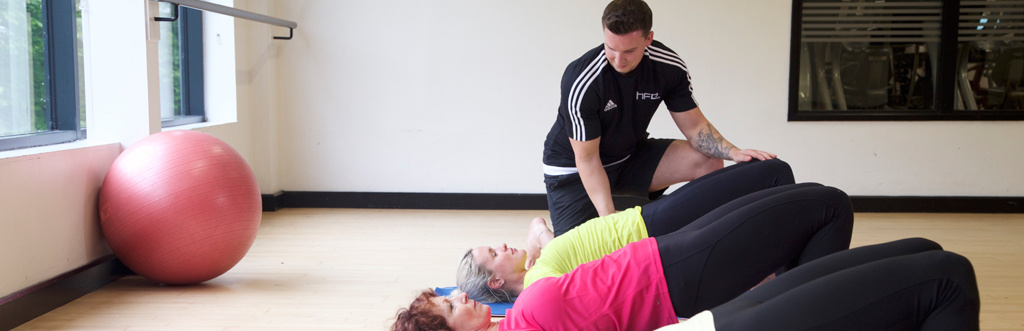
column 945, row 82
column 193, row 105
column 61, row 70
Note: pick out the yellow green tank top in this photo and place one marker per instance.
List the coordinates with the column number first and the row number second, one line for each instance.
column 590, row 241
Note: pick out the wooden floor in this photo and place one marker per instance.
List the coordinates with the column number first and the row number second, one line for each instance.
column 350, row 269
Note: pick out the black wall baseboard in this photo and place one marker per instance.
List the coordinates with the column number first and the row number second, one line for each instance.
column 272, row 202
column 23, row 306
column 480, row 201
column 977, row 205
column 498, row 201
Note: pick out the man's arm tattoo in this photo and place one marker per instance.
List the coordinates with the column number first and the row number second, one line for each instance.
column 711, row 143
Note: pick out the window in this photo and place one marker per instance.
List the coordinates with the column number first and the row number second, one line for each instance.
column 41, row 80
column 907, row 60
column 181, row 66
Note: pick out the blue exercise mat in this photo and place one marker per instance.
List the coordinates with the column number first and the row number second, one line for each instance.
column 497, row 309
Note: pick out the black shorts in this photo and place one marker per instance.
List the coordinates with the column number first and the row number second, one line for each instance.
column 569, row 203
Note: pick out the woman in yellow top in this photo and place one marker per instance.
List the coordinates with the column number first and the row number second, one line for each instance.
column 499, row 274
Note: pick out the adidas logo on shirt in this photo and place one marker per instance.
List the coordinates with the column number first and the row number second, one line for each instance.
column 611, row 105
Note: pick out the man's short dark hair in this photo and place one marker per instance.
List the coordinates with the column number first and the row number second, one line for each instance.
column 625, row 16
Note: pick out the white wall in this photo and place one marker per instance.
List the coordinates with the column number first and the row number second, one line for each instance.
column 457, row 96
column 407, row 96
column 256, row 89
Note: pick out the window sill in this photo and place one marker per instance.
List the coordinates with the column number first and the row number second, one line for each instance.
column 88, row 143
column 202, row 125
column 81, row 144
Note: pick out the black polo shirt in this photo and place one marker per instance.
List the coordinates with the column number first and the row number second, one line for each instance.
column 598, row 101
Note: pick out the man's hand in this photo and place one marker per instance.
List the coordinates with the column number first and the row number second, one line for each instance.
column 538, row 237
column 592, row 174
column 744, row 155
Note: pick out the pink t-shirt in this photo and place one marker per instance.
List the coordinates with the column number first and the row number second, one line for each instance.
column 625, row 290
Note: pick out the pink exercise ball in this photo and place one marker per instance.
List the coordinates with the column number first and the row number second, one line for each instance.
column 180, row 207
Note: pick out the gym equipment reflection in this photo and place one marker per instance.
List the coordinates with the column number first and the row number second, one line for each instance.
column 858, row 55
column 862, row 76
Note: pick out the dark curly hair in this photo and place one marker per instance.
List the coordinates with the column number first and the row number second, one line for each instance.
column 625, row 16
column 421, row 315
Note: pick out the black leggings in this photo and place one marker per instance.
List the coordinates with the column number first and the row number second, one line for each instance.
column 704, row 194
column 732, row 248
column 909, row 284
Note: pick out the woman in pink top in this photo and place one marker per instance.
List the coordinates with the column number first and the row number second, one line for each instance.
column 909, row 284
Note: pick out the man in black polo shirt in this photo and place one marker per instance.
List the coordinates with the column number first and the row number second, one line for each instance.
column 599, row 143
